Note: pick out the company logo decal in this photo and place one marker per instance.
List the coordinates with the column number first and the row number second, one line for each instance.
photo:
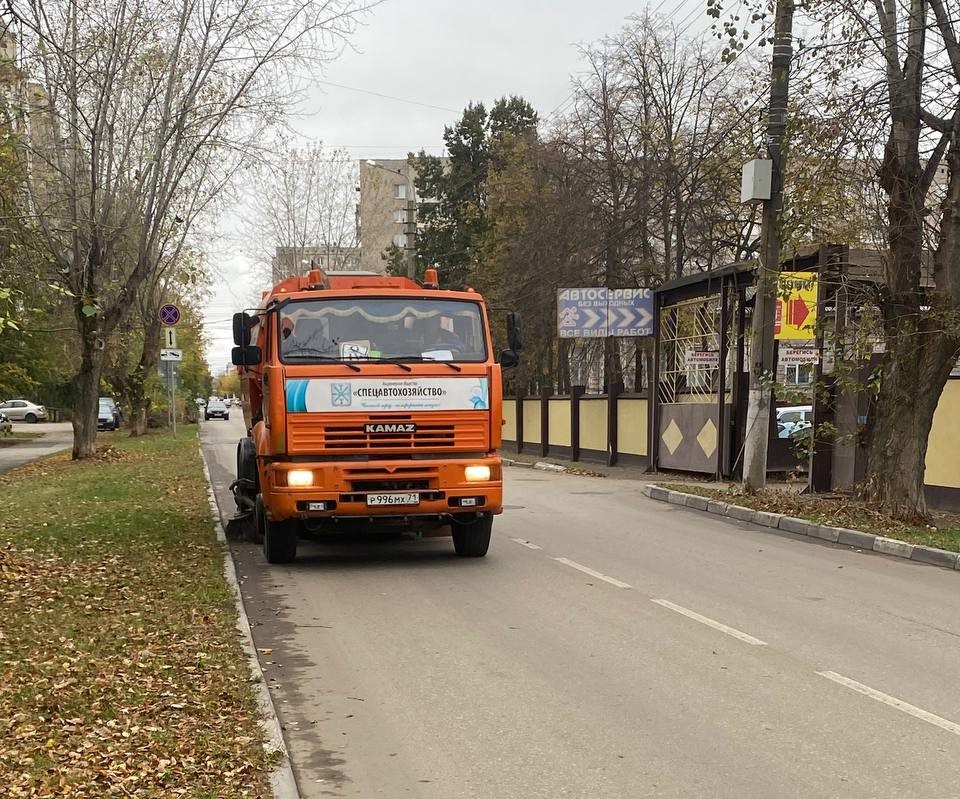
column 340, row 395
column 390, row 428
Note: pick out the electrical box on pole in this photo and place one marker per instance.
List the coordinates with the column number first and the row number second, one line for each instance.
column 756, row 180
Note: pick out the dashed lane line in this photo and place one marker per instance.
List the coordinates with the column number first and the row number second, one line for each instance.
column 587, row 570
column 892, row 701
column 716, row 625
column 524, row 543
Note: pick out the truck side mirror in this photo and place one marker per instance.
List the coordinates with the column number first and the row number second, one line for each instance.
column 514, row 331
column 509, row 359
column 242, row 322
column 245, row 356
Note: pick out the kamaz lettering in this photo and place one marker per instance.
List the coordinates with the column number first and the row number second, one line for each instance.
column 390, row 428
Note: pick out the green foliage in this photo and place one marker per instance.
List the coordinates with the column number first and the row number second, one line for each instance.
column 455, row 224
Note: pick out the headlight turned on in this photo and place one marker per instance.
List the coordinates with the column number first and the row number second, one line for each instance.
column 477, row 473
column 298, row 478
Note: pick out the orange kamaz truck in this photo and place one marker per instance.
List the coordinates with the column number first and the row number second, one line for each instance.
column 371, row 403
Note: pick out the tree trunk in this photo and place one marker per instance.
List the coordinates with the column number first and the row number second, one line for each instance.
column 914, row 375
column 137, row 382
column 85, row 404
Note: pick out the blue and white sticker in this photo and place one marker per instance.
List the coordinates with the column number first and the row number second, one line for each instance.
column 378, row 394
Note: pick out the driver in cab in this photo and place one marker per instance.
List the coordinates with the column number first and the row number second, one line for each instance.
column 438, row 337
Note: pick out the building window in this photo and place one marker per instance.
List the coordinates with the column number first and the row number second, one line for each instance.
column 400, row 216
column 400, row 191
column 800, row 374
column 400, row 240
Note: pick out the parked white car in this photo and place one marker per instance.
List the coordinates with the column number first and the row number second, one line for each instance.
column 19, row 410
column 793, row 418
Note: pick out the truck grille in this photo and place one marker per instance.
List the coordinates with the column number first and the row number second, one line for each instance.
column 345, row 433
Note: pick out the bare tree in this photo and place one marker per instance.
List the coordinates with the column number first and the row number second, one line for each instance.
column 134, row 97
column 303, row 210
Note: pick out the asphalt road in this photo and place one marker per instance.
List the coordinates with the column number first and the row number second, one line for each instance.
column 608, row 647
column 56, row 436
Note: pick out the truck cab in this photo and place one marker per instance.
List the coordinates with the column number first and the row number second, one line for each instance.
column 371, row 402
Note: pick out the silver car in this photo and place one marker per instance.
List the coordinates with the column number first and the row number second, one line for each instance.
column 23, row 411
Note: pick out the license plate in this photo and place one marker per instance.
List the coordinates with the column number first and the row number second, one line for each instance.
column 393, row 499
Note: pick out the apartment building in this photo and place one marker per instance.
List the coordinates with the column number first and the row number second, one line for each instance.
column 387, row 211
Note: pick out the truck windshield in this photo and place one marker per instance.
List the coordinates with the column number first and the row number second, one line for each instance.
column 368, row 328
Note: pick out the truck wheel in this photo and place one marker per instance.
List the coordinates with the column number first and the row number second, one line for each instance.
column 279, row 540
column 472, row 539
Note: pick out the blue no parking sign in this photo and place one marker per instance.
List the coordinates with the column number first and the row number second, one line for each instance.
column 169, row 314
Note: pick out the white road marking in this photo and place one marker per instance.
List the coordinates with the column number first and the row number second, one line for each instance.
column 899, row 704
column 748, row 639
column 524, row 543
column 587, row 570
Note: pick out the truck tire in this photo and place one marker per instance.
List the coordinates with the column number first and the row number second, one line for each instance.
column 247, row 462
column 279, row 539
column 472, row 539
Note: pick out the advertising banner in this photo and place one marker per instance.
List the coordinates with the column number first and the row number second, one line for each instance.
column 796, row 314
column 388, row 394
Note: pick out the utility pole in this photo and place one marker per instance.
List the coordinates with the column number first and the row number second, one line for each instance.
column 763, row 369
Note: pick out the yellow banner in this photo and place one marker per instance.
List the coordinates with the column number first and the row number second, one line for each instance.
column 796, row 315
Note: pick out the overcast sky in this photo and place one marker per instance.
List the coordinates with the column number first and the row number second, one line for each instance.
column 440, row 53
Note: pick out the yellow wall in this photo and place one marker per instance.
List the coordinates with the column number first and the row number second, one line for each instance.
column 531, row 421
column 593, row 424
column 509, row 420
column 943, row 445
column 632, row 421
column 560, row 422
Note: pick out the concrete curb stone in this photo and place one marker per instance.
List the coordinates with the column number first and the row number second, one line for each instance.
column 938, row 557
column 831, row 534
column 890, row 546
column 283, row 783
column 767, row 519
column 791, row 524
column 854, row 538
column 741, row 513
column 794, row 525
column 520, row 464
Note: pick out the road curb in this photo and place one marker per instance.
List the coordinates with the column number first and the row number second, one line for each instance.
column 282, row 781
column 520, row 464
column 790, row 524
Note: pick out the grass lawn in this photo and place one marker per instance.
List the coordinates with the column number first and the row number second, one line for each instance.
column 121, row 672
column 942, row 533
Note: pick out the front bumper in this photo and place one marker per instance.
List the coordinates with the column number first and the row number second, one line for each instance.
column 343, row 489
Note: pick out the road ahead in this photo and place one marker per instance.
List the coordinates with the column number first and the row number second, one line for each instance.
column 55, row 437
column 608, row 647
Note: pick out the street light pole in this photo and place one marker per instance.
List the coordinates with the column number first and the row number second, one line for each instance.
column 410, row 221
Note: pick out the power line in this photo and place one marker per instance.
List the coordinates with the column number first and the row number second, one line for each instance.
column 387, row 97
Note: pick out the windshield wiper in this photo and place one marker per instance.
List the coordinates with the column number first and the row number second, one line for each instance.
column 301, row 352
column 421, row 359
column 377, row 359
